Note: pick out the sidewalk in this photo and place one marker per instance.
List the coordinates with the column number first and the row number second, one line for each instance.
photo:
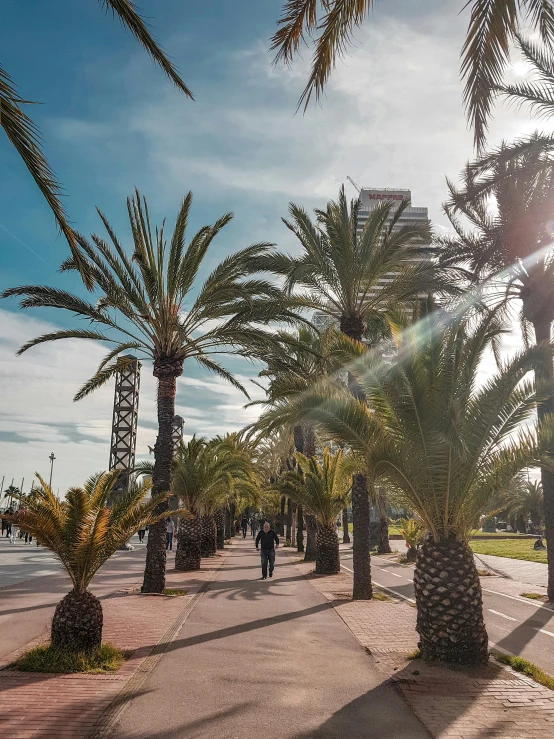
column 266, row 658
column 451, row 703
column 532, row 573
column 40, row 706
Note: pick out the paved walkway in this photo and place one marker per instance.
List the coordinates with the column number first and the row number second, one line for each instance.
column 532, row 573
column 271, row 654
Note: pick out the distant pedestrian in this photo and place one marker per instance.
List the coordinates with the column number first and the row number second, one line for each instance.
column 267, row 539
column 244, row 526
column 169, row 531
column 253, row 526
column 141, row 533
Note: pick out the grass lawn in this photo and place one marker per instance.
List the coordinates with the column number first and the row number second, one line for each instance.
column 522, row 549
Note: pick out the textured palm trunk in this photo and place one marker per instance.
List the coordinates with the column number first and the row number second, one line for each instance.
column 411, row 554
column 345, row 534
column 521, row 528
column 449, row 603
column 77, row 623
column 327, row 560
column 300, row 529
column 362, row 588
column 189, row 535
column 220, row 529
column 383, row 546
column 232, row 512
column 166, row 370
column 353, row 326
column 544, row 376
column 208, row 544
column 288, row 522
column 280, row 522
column 227, row 523
column 311, row 538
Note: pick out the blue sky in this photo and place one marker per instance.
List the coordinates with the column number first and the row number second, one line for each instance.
column 111, row 121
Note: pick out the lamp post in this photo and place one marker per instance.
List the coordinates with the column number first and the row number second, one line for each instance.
column 51, row 458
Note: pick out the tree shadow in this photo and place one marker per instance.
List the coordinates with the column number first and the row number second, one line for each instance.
column 525, row 631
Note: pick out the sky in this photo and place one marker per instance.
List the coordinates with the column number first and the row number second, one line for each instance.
column 392, row 116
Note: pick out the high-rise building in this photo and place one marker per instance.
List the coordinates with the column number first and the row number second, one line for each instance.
column 371, row 197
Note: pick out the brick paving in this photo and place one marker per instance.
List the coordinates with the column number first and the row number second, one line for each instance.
column 474, row 703
column 40, row 706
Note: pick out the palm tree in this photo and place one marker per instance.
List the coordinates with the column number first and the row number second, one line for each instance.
column 83, row 533
column 446, row 442
column 346, row 275
column 321, row 488
column 493, row 25
column 150, row 303
column 521, row 500
column 508, row 251
column 24, row 135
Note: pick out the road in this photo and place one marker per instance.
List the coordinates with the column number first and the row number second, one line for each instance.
column 265, row 658
column 516, row 625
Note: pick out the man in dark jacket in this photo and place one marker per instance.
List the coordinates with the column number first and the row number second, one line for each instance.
column 267, row 539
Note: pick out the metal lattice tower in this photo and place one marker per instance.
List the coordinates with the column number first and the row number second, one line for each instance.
column 177, row 432
column 125, row 417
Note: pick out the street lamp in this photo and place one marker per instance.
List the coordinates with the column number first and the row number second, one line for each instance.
column 51, row 458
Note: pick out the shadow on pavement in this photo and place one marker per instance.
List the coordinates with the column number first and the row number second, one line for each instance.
column 522, row 634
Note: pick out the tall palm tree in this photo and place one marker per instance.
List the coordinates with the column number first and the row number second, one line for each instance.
column 147, row 305
column 83, row 532
column 508, row 251
column 24, row 135
column 448, row 443
column 330, row 24
column 321, row 488
column 345, row 274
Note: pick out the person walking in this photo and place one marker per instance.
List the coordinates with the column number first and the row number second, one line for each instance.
column 253, row 526
column 244, row 526
column 169, row 531
column 141, row 533
column 267, row 540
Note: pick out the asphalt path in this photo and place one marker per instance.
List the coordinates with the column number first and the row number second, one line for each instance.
column 516, row 625
column 265, row 659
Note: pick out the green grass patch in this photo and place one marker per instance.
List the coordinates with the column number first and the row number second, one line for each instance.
column 522, row 549
column 380, row 596
column 416, row 654
column 45, row 658
column 484, row 573
column 174, row 591
column 534, row 596
column 527, row 668
column 478, row 534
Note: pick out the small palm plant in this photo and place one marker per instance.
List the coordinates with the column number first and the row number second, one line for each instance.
column 411, row 531
column 321, row 488
column 83, row 533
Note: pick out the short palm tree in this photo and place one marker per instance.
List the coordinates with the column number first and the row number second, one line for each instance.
column 446, row 442
column 509, row 252
column 25, row 137
column 150, row 303
column 521, row 500
column 411, row 531
column 321, row 488
column 83, row 532
column 493, row 25
column 346, row 275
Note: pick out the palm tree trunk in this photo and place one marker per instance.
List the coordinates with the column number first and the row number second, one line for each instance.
column 280, row 523
column 77, row 623
column 345, row 534
column 227, row 523
column 520, row 525
column 383, row 546
column 288, row 522
column 220, row 529
column 232, row 512
column 544, row 376
column 327, row 559
column 449, row 603
column 300, row 529
column 311, row 533
column 362, row 589
column 189, row 536
column 208, row 544
column 167, row 371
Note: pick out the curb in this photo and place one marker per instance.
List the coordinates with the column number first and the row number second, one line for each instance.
column 106, row 724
